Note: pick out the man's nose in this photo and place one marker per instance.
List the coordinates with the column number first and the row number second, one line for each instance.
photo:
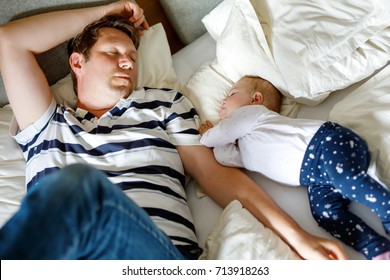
column 125, row 63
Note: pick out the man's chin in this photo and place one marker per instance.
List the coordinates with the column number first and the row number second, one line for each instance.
column 123, row 91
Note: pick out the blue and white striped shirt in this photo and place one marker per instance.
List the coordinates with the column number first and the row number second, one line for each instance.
column 134, row 144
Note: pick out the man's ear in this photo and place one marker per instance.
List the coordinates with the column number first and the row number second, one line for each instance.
column 257, row 98
column 75, row 60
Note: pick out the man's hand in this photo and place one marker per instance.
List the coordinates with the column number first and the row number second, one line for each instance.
column 317, row 248
column 131, row 10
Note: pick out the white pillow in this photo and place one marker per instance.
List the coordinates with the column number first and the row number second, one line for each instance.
column 367, row 111
column 154, row 62
column 216, row 19
column 208, row 86
column 242, row 48
column 238, row 235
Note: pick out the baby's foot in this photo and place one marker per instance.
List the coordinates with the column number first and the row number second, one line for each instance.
column 383, row 256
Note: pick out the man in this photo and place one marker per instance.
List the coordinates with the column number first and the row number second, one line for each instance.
column 148, row 139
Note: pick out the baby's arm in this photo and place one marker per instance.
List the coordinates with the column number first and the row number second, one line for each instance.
column 226, row 154
column 228, row 130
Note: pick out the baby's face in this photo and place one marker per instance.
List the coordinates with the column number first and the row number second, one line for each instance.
column 239, row 95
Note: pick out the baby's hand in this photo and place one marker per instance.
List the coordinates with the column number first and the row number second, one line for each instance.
column 204, row 127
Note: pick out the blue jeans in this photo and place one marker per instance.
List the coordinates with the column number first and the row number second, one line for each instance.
column 77, row 213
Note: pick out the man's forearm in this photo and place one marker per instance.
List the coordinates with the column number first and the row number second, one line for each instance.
column 224, row 184
column 239, row 186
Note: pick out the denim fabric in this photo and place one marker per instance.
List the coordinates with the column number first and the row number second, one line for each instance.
column 77, row 213
column 335, row 171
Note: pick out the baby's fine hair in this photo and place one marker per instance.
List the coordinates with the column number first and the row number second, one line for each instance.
column 272, row 96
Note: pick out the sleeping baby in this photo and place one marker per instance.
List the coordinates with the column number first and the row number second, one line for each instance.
column 330, row 160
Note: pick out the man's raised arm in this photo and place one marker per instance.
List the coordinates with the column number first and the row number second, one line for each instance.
column 27, row 88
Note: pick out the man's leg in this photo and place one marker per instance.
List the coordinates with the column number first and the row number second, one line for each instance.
column 77, row 213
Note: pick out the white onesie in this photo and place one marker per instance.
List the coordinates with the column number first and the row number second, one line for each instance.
column 258, row 139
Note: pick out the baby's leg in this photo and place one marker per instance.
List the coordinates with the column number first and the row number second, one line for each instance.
column 346, row 167
column 330, row 210
column 365, row 190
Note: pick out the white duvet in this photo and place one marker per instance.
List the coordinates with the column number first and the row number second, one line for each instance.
column 329, row 44
column 307, row 49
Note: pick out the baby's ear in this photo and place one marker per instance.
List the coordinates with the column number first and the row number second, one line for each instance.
column 257, row 98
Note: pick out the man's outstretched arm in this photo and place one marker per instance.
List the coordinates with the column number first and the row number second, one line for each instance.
column 225, row 184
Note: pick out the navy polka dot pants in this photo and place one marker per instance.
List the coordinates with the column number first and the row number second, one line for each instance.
column 334, row 170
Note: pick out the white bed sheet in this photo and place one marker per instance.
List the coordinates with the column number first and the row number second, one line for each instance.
column 293, row 200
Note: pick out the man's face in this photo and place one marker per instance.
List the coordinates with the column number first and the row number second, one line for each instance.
column 111, row 71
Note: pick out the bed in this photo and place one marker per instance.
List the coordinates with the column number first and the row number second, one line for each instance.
column 336, row 70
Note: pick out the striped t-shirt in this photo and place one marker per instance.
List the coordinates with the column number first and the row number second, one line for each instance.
column 134, row 144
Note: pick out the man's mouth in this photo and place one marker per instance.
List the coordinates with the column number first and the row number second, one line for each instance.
column 121, row 76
